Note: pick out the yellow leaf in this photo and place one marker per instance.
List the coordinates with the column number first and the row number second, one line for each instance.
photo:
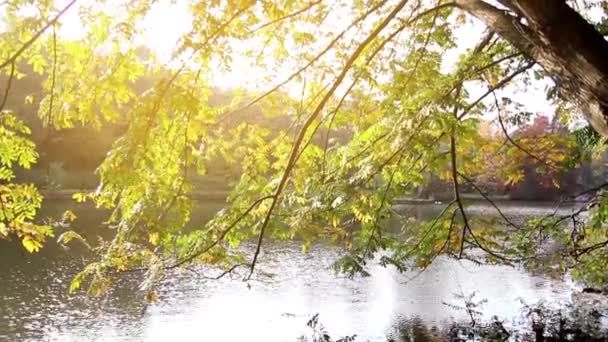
column 151, row 297
column 305, row 248
column 153, row 238
column 4, row 230
column 30, row 244
column 74, row 285
column 68, row 215
column 79, row 197
column 555, row 183
column 445, row 175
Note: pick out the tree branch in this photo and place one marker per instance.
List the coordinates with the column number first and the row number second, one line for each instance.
column 432, row 227
column 309, row 63
column 352, row 85
column 493, row 88
column 580, row 251
column 222, row 235
column 16, row 54
column 455, row 174
column 285, row 17
column 489, row 200
column 432, row 10
column 503, row 23
column 513, row 142
column 296, row 146
column 53, row 80
column 8, row 86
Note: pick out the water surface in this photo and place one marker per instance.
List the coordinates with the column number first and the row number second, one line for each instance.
column 35, row 305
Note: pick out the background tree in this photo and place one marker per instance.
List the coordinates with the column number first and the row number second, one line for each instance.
column 534, row 161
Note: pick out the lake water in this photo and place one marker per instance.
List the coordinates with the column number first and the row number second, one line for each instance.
column 35, row 305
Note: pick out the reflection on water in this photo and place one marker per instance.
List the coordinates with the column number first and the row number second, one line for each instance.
column 34, row 304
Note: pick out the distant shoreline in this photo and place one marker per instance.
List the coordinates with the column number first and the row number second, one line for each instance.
column 218, row 195
column 68, row 193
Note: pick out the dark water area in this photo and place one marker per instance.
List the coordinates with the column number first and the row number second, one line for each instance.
column 387, row 306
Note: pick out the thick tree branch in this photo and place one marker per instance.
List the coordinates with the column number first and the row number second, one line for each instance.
column 569, row 49
column 503, row 23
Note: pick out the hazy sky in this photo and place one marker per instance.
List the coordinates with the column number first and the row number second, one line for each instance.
column 168, row 21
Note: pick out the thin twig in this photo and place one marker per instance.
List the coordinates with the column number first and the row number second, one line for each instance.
column 53, row 79
column 226, row 272
column 352, row 85
column 376, row 226
column 8, row 86
column 488, row 199
column 512, row 141
column 285, row 17
column 308, row 64
column 222, row 235
column 432, row 227
column 498, row 85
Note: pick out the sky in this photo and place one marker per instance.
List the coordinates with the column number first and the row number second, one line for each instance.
column 166, row 22
column 169, row 20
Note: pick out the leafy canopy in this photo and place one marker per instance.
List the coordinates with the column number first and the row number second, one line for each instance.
column 379, row 94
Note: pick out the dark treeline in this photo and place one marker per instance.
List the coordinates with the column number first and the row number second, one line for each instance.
column 69, row 157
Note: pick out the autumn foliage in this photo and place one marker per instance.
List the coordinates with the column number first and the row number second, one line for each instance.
column 531, row 163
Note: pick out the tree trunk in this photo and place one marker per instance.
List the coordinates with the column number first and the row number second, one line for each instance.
column 568, row 48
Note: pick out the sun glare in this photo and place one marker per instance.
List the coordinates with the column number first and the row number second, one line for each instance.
column 160, row 30
column 164, row 24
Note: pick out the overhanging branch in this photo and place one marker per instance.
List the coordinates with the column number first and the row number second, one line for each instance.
column 36, row 36
column 297, row 144
column 503, row 23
